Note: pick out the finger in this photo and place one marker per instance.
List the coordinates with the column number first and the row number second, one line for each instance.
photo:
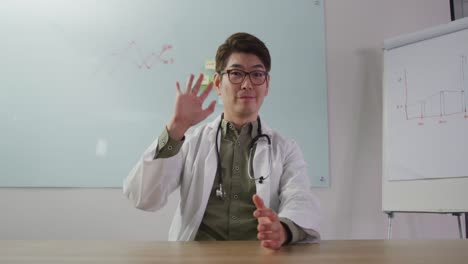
column 267, row 212
column 178, row 87
column 189, row 84
column 258, row 201
column 206, row 92
column 271, row 244
column 269, row 227
column 274, row 236
column 210, row 109
column 197, row 84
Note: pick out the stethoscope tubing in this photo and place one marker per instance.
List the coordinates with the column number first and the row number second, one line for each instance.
column 220, row 193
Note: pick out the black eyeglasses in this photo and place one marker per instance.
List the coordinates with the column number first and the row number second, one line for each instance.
column 238, row 76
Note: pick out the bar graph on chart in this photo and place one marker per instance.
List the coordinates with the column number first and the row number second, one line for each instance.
column 440, row 104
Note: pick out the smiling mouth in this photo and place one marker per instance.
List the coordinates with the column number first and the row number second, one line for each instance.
column 247, row 97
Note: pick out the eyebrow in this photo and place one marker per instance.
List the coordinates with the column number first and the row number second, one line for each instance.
column 235, row 65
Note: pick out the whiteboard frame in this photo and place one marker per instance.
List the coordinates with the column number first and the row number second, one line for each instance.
column 441, row 195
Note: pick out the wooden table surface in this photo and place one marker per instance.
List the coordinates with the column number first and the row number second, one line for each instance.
column 243, row 252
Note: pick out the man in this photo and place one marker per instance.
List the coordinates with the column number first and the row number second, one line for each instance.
column 238, row 179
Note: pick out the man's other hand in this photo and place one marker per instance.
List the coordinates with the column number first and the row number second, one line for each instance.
column 271, row 232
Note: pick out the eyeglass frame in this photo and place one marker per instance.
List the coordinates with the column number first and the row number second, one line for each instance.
column 246, row 73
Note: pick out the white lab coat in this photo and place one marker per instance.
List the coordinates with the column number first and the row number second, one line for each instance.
column 193, row 170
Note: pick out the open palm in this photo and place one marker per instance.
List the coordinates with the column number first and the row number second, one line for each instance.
column 189, row 106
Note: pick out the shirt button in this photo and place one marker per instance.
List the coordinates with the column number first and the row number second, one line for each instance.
column 236, row 196
column 234, row 217
column 236, row 168
column 169, row 147
column 231, row 126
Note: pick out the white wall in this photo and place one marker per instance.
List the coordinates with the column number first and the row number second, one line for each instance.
column 355, row 33
column 351, row 207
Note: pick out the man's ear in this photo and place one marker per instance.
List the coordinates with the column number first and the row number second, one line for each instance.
column 267, row 84
column 217, row 83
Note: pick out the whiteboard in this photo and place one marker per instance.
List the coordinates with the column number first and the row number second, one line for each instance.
column 87, row 85
column 425, row 122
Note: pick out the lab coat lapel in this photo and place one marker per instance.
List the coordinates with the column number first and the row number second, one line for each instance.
column 208, row 171
column 211, row 161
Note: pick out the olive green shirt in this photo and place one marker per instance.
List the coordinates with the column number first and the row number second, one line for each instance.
column 230, row 218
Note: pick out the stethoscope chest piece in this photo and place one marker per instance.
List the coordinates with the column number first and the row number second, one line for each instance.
column 220, row 193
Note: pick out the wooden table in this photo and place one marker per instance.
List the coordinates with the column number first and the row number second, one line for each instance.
column 351, row 251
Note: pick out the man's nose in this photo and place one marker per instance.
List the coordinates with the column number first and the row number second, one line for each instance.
column 247, row 83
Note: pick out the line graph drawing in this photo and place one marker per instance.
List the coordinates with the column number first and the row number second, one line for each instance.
column 133, row 55
column 440, row 104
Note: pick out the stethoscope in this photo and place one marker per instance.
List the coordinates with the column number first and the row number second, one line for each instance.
column 220, row 192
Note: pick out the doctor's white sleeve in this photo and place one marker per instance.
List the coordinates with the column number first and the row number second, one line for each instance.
column 151, row 180
column 297, row 201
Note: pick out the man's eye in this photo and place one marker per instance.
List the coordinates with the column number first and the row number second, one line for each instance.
column 258, row 74
column 237, row 73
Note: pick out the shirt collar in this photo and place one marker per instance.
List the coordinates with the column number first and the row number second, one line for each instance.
column 252, row 127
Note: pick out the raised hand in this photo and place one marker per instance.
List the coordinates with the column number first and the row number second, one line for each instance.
column 188, row 107
column 270, row 230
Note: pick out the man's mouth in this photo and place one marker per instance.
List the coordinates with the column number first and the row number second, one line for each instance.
column 247, row 97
